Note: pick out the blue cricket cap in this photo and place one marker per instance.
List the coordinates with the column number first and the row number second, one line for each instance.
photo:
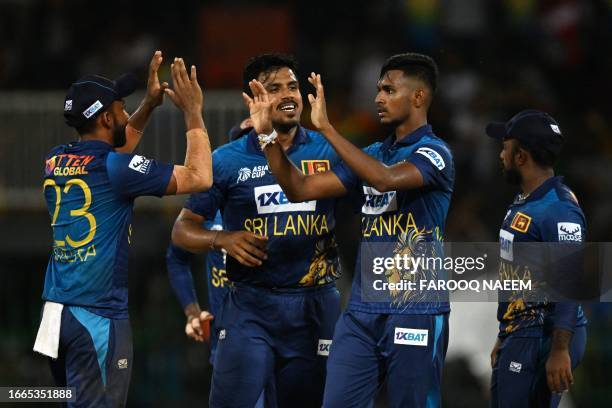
column 93, row 94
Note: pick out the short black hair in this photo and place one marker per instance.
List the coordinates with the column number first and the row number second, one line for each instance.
column 541, row 156
column 90, row 124
column 415, row 65
column 266, row 63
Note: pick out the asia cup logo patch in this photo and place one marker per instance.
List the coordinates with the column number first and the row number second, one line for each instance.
column 315, row 166
column 520, row 222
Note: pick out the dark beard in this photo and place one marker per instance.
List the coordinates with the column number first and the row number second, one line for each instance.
column 513, row 176
column 119, row 137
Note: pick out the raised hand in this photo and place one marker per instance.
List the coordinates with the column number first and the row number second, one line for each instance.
column 155, row 91
column 260, row 107
column 318, row 114
column 186, row 93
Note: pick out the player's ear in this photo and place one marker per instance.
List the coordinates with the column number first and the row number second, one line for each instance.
column 419, row 97
column 106, row 119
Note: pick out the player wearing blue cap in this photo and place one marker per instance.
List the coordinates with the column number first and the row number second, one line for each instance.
column 404, row 186
column 277, row 321
column 539, row 343
column 90, row 186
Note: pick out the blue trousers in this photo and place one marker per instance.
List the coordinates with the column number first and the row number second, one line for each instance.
column 95, row 357
column 405, row 351
column 519, row 373
column 278, row 337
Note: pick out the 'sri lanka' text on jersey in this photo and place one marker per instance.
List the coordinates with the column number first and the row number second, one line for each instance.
column 402, row 217
column 90, row 190
column 301, row 245
column 549, row 214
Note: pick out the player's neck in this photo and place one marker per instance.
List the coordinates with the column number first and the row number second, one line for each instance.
column 102, row 137
column 285, row 138
column 535, row 180
column 408, row 126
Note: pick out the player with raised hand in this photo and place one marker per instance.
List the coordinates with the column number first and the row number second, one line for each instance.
column 277, row 321
column 539, row 343
column 90, row 187
column 406, row 183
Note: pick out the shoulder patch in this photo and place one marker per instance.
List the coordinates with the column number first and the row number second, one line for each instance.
column 434, row 157
column 520, row 222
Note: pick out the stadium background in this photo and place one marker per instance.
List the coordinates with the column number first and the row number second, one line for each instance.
column 495, row 57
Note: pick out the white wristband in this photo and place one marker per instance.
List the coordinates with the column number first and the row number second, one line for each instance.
column 265, row 140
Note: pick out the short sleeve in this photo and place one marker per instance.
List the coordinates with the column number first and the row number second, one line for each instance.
column 564, row 223
column 207, row 203
column 134, row 175
column 435, row 163
column 348, row 178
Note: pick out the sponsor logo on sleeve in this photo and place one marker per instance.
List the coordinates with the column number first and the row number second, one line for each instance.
column 89, row 112
column 520, row 222
column 377, row 202
column 271, row 199
column 140, row 164
column 569, row 231
column 315, row 166
column 433, row 157
column 505, row 245
column 515, row 367
column 411, row 337
column 324, row 346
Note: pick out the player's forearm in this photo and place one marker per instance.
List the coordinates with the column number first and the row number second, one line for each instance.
column 192, row 310
column 196, row 173
column 561, row 340
column 178, row 262
column 291, row 180
column 192, row 237
column 366, row 167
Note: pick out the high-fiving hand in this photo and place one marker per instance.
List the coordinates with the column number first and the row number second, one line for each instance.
column 155, row 91
column 318, row 113
column 186, row 93
column 260, row 107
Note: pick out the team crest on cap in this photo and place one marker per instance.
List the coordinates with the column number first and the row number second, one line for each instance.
column 315, row 166
column 521, row 222
column 68, row 105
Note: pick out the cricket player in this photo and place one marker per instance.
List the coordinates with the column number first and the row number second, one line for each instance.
column 539, row 343
column 404, row 185
column 90, row 186
column 277, row 321
column 178, row 262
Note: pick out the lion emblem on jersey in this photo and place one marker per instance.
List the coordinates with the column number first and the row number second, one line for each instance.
column 324, row 266
column 413, row 244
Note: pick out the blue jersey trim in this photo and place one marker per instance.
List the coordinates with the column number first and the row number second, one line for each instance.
column 99, row 330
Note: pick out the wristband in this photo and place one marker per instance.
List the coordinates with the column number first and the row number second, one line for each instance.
column 265, row 140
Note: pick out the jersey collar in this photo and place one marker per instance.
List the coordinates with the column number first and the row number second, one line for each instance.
column 301, row 137
column 409, row 139
column 542, row 189
column 88, row 144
